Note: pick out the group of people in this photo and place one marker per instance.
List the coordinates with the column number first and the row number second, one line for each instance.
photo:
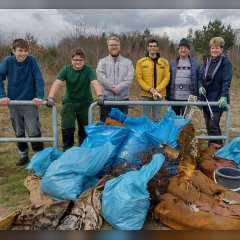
column 111, row 81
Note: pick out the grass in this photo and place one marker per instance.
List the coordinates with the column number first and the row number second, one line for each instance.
column 12, row 191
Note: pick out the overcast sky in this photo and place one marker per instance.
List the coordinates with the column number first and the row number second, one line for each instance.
column 48, row 25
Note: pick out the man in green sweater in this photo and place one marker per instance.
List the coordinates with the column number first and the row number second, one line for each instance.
column 78, row 96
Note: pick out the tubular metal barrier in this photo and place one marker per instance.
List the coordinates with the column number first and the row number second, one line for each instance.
column 224, row 137
column 53, row 139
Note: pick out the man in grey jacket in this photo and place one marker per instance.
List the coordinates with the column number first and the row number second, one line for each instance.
column 115, row 73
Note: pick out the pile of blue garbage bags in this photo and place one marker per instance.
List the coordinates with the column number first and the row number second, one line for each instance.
column 67, row 174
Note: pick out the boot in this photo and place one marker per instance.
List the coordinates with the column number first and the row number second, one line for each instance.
column 22, row 160
column 81, row 135
column 68, row 138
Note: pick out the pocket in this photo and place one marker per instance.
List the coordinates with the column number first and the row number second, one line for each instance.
column 123, row 70
column 108, row 69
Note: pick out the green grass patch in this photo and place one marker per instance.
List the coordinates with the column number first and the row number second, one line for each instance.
column 13, row 192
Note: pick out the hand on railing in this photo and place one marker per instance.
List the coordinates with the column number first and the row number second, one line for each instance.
column 4, row 101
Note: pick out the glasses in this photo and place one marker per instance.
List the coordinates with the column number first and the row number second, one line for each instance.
column 153, row 46
column 183, row 48
column 114, row 45
column 77, row 60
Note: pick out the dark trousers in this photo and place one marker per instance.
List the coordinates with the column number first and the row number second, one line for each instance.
column 104, row 110
column 212, row 125
column 70, row 113
column 179, row 110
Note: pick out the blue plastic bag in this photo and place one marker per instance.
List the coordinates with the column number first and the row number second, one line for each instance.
column 136, row 142
column 178, row 121
column 99, row 133
column 42, row 159
column 125, row 199
column 166, row 133
column 167, row 129
column 231, row 151
column 65, row 178
column 117, row 115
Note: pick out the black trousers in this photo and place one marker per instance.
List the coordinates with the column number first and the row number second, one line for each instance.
column 179, row 110
column 212, row 125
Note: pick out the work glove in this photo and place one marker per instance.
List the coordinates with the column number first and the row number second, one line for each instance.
column 202, row 91
column 222, row 102
column 117, row 115
column 100, row 100
column 157, row 96
column 50, row 102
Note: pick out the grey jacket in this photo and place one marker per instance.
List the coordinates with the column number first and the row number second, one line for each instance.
column 115, row 72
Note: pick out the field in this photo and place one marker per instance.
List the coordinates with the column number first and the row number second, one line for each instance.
column 12, row 191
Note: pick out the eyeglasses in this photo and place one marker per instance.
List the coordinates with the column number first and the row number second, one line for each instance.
column 114, row 45
column 151, row 46
column 183, row 48
column 78, row 60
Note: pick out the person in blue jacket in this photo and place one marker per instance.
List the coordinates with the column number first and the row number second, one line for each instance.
column 25, row 82
column 216, row 82
column 185, row 76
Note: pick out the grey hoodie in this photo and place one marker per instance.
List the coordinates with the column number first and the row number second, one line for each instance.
column 115, row 72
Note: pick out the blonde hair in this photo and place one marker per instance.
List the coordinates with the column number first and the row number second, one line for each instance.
column 217, row 41
column 113, row 38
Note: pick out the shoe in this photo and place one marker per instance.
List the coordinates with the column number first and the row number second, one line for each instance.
column 22, row 161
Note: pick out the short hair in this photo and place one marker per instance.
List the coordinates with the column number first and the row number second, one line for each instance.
column 113, row 37
column 152, row 41
column 217, row 41
column 21, row 43
column 78, row 51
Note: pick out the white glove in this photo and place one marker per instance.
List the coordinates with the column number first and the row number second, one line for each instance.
column 156, row 96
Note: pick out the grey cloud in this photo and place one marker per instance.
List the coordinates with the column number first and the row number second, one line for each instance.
column 37, row 16
column 128, row 19
column 227, row 15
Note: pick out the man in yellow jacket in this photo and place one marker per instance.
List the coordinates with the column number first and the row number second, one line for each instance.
column 152, row 75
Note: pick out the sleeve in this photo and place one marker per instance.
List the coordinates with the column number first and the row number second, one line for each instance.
column 101, row 75
column 38, row 78
column 91, row 74
column 166, row 78
column 62, row 74
column 199, row 76
column 226, row 80
column 3, row 74
column 127, row 81
column 139, row 79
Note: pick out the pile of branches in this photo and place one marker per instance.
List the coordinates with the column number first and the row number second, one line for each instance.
column 159, row 183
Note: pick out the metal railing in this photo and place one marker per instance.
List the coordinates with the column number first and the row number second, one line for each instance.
column 53, row 139
column 224, row 137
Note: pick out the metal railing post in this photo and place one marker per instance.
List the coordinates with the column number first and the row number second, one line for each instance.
column 53, row 139
column 224, row 137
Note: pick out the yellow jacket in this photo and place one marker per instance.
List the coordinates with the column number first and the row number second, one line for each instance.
column 145, row 75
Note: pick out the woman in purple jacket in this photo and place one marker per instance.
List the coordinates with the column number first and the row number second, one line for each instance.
column 217, row 77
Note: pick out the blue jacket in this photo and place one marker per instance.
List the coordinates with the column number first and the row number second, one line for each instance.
column 196, row 75
column 220, row 83
column 25, row 81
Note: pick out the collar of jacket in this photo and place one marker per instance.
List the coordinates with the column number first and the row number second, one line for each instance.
column 189, row 57
column 114, row 59
column 16, row 61
column 158, row 55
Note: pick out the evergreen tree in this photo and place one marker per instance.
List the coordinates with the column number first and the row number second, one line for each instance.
column 214, row 29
